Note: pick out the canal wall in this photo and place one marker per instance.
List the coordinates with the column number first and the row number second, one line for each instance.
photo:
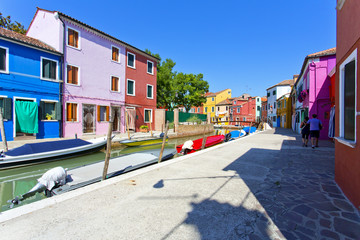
column 190, row 130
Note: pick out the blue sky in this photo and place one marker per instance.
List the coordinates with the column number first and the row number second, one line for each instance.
column 247, row 46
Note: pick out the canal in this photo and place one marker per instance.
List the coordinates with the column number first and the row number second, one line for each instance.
column 17, row 181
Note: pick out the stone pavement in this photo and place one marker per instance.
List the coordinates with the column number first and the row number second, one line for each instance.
column 264, row 186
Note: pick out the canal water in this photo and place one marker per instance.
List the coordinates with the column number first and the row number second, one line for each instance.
column 17, row 181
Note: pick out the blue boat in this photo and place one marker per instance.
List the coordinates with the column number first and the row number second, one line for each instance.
column 237, row 134
column 249, row 130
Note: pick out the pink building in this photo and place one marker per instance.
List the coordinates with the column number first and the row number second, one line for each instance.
column 93, row 73
column 312, row 89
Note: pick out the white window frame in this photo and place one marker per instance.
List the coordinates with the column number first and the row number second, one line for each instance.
column 127, row 89
column 152, row 91
column 341, row 139
column 127, row 60
column 113, row 46
column 67, row 37
column 77, row 112
column 147, row 67
column 7, row 61
column 41, row 69
column 111, row 84
column 49, row 101
column 151, row 115
column 66, row 75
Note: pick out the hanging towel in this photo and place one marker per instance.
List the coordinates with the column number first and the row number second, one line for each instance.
column 331, row 132
column 26, row 117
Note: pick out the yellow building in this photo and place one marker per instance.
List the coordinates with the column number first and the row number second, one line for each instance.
column 283, row 111
column 214, row 98
column 222, row 112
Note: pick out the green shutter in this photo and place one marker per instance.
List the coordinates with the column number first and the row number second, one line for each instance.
column 7, row 109
column 58, row 111
column 41, row 110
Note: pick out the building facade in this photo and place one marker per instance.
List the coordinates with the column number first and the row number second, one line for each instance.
column 243, row 110
column 347, row 82
column 140, row 88
column 30, row 88
column 264, row 105
column 222, row 114
column 312, row 89
column 258, row 108
column 212, row 99
column 283, row 111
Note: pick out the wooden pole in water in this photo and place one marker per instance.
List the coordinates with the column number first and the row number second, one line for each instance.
column 164, row 141
column 150, row 119
column 108, row 148
column 204, row 139
column 3, row 137
column 127, row 123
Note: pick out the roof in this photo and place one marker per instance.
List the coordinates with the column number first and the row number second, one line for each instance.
column 288, row 82
column 263, row 99
column 208, row 93
column 227, row 101
column 214, row 94
column 283, row 96
column 21, row 38
column 328, row 52
column 96, row 30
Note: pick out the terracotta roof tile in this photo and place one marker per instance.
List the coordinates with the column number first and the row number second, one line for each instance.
column 214, row 94
column 225, row 102
column 289, row 82
column 330, row 51
column 25, row 39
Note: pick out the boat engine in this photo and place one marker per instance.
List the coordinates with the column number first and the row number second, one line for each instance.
column 54, row 177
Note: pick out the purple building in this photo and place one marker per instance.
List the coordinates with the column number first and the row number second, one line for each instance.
column 312, row 89
column 94, row 72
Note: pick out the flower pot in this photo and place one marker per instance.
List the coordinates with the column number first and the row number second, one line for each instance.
column 144, row 130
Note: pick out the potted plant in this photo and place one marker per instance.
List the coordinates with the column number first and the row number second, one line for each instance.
column 48, row 116
column 144, row 128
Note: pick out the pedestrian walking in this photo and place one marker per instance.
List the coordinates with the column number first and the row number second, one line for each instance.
column 315, row 127
column 305, row 131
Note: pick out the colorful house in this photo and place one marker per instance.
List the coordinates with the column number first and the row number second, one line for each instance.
column 273, row 93
column 283, row 110
column 94, row 87
column 263, row 115
column 258, row 108
column 140, row 87
column 243, row 110
column 312, row 89
column 347, row 82
column 30, row 73
column 222, row 114
column 212, row 99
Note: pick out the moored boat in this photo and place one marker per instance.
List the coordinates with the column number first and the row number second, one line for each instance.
column 249, row 130
column 142, row 141
column 236, row 134
column 197, row 144
column 34, row 153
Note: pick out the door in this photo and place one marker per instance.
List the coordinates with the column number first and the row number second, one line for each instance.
column 278, row 122
column 88, row 118
column 117, row 116
column 131, row 118
column 26, row 117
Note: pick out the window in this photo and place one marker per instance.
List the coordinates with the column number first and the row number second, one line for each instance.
column 274, row 118
column 218, row 108
column 4, row 60
column 131, row 60
column 148, row 115
column 115, row 84
column 238, row 110
column 71, row 112
column 72, row 74
column 285, row 118
column 115, row 54
column 274, row 92
column 48, row 69
column 198, row 110
column 274, row 105
column 285, row 103
column 50, row 110
column 348, row 98
column 212, row 109
column 131, row 87
column 258, row 99
column 150, row 67
column 73, row 38
column 150, row 91
column 212, row 99
column 205, row 109
column 234, row 102
column 244, row 119
column 279, row 104
column 226, row 108
column 258, row 108
column 102, row 113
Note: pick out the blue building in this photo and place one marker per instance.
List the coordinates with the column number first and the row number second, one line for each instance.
column 30, row 87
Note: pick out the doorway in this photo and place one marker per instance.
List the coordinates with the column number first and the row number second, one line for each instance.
column 88, row 118
column 131, row 112
column 25, row 118
column 117, row 118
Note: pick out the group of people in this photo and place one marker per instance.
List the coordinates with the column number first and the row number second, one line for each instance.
column 311, row 127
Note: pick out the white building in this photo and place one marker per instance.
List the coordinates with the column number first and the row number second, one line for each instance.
column 273, row 93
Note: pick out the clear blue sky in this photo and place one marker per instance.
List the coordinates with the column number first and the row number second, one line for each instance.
column 247, row 46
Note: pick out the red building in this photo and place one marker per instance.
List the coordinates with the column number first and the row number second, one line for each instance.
column 243, row 110
column 199, row 110
column 347, row 99
column 263, row 116
column 140, row 87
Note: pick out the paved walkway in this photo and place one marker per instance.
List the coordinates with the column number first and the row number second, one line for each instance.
column 265, row 186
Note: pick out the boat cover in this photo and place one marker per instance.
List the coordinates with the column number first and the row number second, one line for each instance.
column 33, row 148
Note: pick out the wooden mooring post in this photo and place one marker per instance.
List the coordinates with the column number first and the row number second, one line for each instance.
column 127, row 123
column 3, row 137
column 204, row 139
column 164, row 141
column 150, row 120
column 108, row 148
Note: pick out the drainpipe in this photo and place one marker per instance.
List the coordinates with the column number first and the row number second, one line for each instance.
column 61, row 85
